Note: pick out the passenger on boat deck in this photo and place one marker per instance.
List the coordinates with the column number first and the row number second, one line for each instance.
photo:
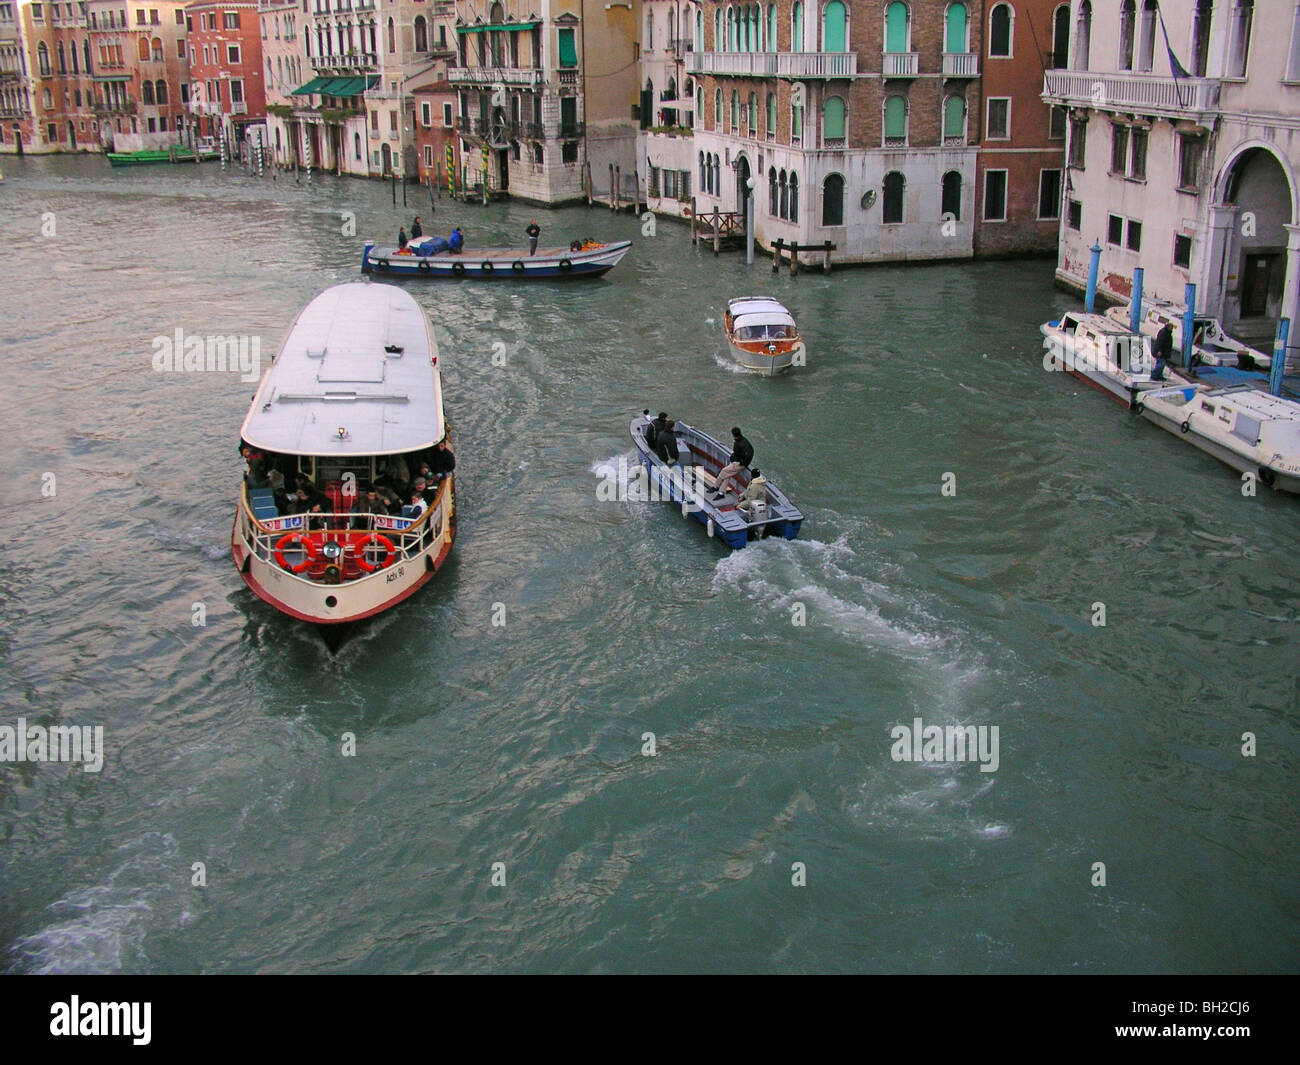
column 443, row 460
column 416, row 231
column 416, row 507
column 742, row 454
column 456, row 241
column 666, row 442
column 654, row 428
column 755, row 493
column 428, row 489
column 255, row 474
column 391, row 500
column 401, row 238
column 370, row 503
column 534, row 231
column 395, row 473
column 1164, row 347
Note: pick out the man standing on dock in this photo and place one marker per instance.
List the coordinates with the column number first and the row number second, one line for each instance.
column 1164, row 346
column 534, row 231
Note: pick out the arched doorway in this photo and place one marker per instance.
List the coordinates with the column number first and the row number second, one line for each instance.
column 742, row 183
column 386, row 155
column 1258, row 271
column 72, row 134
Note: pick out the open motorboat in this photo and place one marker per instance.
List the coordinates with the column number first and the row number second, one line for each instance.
column 1102, row 352
column 352, row 402
column 1248, row 429
column 762, row 336
column 1211, row 346
column 583, row 258
column 691, row 479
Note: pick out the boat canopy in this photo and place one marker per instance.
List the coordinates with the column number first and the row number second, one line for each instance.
column 354, row 377
column 757, row 305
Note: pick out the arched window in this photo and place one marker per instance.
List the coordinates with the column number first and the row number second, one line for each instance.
column 146, row 92
column 892, row 211
column 950, row 200
column 771, row 114
column 796, row 30
column 63, row 59
column 392, row 37
column 835, row 31
column 704, row 178
column 1147, row 38
column 156, row 47
column 895, row 121
column 796, row 123
column 1061, row 36
column 1242, row 17
column 421, row 34
column 954, row 120
column 833, row 120
column 1127, row 26
column 956, row 37
column 75, row 68
column 784, row 201
column 897, row 27
column 719, row 45
column 142, row 49
column 771, row 27
column 43, row 58
column 735, row 110
column 1000, row 30
column 649, row 30
column 753, row 114
column 699, row 30
column 833, row 200
column 731, row 30
column 160, row 91
column 717, row 108
column 794, row 197
column 85, row 51
column 771, row 192
column 356, row 144
column 1082, row 36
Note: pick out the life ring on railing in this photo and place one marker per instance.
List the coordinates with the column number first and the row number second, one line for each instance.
column 486, row 266
column 458, row 269
column 424, row 266
column 575, row 245
column 308, row 552
column 517, row 266
column 565, row 266
column 381, row 265
column 382, row 541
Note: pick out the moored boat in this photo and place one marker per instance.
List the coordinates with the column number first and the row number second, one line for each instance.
column 1103, row 353
column 690, row 481
column 1211, row 346
column 1242, row 426
column 352, row 402
column 581, row 259
column 762, row 335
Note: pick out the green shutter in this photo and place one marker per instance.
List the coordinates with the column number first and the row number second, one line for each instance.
column 771, row 113
column 833, row 124
column 955, row 40
column 896, row 28
column 896, row 117
column 771, row 27
column 835, row 35
column 568, row 53
column 796, row 44
column 954, row 117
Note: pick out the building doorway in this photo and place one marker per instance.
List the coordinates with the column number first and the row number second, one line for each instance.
column 1261, row 285
column 742, row 184
column 503, row 168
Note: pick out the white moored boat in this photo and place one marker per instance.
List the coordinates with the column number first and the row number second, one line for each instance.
column 762, row 336
column 1211, row 346
column 352, row 401
column 1250, row 430
column 1105, row 354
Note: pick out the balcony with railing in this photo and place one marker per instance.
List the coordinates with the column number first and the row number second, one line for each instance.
column 679, row 46
column 352, row 62
column 774, row 64
column 239, row 107
column 899, row 64
column 1144, row 93
column 494, row 76
column 961, row 65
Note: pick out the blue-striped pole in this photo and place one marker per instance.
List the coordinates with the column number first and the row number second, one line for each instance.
column 1135, row 309
column 1189, row 323
column 1279, row 357
column 1090, row 297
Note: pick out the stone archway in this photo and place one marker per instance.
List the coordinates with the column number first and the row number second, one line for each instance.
column 1254, row 265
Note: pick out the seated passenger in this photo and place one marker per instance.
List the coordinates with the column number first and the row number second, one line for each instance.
column 443, row 460
column 255, row 472
column 456, row 242
column 416, row 507
column 368, row 504
column 756, row 492
column 666, row 443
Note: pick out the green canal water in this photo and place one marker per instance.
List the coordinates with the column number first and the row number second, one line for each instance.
column 501, row 812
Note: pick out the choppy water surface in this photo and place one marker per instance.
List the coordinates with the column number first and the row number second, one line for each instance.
column 522, row 744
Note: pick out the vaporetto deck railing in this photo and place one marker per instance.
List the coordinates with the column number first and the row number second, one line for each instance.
column 1142, row 92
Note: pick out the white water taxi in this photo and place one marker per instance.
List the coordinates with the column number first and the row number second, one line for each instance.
column 352, row 403
column 762, row 336
column 1247, row 429
column 1211, row 346
column 1101, row 352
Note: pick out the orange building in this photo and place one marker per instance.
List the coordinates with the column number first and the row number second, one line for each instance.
column 435, row 131
column 227, row 85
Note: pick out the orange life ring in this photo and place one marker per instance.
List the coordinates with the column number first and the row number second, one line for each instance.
column 308, row 552
column 382, row 541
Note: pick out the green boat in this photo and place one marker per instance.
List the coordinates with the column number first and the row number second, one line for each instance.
column 177, row 153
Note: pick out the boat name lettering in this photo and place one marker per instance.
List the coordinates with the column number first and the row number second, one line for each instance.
column 396, row 574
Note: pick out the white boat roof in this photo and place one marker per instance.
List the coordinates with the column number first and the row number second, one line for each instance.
column 1261, row 405
column 1100, row 323
column 333, row 372
column 756, row 305
column 761, row 318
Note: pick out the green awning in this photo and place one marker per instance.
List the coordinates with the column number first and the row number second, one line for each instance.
column 497, row 26
column 313, row 86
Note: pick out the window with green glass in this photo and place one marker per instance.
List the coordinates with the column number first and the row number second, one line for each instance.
column 771, row 114
column 796, row 122
column 895, row 118
column 954, row 40
column 796, row 28
column 833, row 119
column 568, row 51
column 771, row 27
column 834, row 22
column 896, row 27
column 954, row 117
column 735, row 108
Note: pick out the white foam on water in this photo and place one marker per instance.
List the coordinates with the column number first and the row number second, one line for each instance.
column 730, row 365
column 101, row 929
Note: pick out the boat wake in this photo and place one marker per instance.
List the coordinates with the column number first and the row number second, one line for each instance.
column 102, row 929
